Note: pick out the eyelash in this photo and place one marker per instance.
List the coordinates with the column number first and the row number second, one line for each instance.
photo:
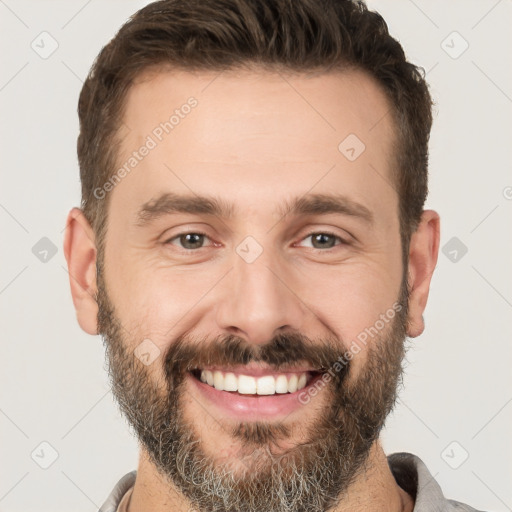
column 342, row 241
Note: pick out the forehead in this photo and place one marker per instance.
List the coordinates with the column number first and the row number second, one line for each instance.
column 255, row 136
column 329, row 103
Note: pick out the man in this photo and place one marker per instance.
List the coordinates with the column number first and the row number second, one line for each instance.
column 253, row 248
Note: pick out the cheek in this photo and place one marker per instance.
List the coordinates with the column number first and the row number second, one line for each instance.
column 352, row 300
column 156, row 301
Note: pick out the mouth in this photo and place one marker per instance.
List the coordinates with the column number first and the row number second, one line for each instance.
column 259, row 383
column 248, row 393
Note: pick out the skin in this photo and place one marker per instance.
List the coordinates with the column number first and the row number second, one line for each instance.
column 256, row 139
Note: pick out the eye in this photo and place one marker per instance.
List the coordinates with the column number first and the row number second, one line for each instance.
column 189, row 240
column 324, row 240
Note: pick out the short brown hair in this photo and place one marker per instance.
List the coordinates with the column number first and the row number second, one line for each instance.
column 294, row 35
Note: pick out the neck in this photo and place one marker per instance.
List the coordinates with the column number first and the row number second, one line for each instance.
column 374, row 490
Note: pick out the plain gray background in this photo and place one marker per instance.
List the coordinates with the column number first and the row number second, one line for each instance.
column 456, row 409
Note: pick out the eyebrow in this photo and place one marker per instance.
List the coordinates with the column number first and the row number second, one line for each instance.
column 310, row 204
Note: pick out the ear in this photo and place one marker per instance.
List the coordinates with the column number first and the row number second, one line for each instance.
column 423, row 252
column 80, row 253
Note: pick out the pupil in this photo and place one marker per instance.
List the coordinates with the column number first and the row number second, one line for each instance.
column 193, row 239
column 321, row 237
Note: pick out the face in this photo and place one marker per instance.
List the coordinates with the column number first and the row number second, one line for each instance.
column 251, row 291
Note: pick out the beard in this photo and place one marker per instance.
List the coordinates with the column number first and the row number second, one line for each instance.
column 307, row 476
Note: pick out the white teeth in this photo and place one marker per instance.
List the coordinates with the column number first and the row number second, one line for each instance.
column 301, row 383
column 248, row 385
column 218, row 380
column 266, row 385
column 292, row 383
column 282, row 384
column 230, row 382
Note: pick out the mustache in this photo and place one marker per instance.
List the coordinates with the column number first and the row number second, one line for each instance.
column 285, row 351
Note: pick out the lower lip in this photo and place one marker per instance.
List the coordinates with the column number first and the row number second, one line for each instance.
column 252, row 407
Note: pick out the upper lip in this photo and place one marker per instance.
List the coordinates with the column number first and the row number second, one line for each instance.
column 257, row 370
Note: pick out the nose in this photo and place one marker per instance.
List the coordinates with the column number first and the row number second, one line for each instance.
column 258, row 301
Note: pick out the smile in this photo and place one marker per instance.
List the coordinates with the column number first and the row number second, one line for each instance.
column 250, row 392
column 270, row 384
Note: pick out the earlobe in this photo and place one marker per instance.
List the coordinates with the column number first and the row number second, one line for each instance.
column 423, row 253
column 80, row 253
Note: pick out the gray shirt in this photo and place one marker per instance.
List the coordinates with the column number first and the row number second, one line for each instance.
column 409, row 471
